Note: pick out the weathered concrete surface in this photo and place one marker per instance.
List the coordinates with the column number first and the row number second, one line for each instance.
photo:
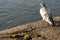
column 46, row 31
column 19, row 28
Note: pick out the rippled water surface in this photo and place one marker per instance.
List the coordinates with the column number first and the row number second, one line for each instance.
column 17, row 12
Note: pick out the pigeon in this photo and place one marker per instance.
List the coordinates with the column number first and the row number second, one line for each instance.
column 46, row 14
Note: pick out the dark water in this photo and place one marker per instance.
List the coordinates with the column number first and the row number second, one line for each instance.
column 17, row 12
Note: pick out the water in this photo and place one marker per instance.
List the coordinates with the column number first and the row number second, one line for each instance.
column 18, row 12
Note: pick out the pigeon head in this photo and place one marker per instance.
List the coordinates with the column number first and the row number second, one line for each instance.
column 42, row 4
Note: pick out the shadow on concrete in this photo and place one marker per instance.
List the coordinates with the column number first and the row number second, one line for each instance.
column 57, row 23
